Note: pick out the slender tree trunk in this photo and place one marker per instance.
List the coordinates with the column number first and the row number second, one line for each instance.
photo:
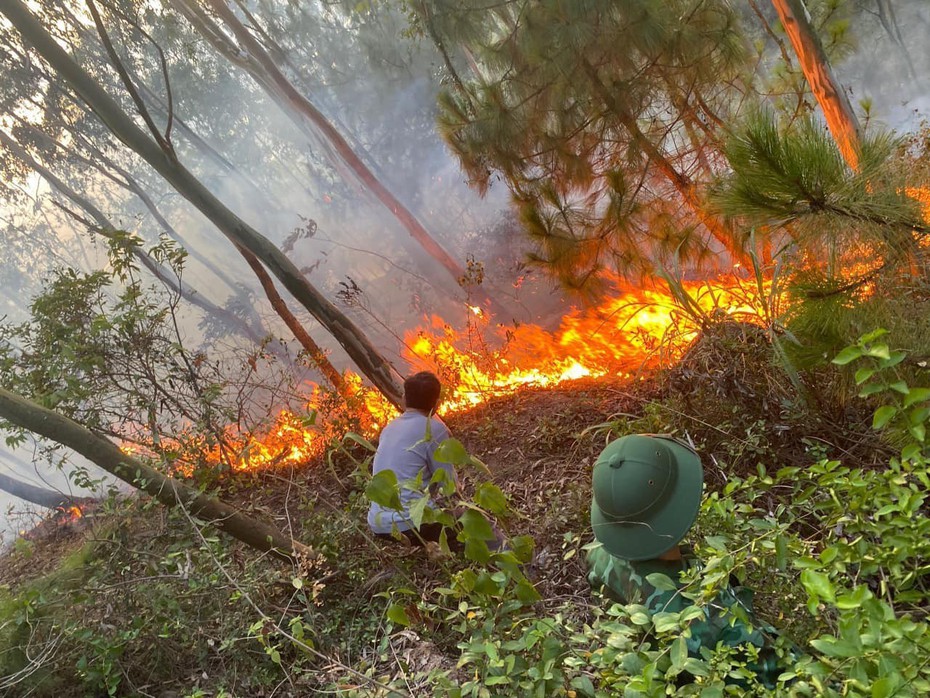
column 40, row 496
column 683, row 184
column 277, row 84
column 314, row 352
column 372, row 364
column 126, row 181
column 841, row 119
column 170, row 492
column 887, row 17
column 106, row 229
column 316, row 355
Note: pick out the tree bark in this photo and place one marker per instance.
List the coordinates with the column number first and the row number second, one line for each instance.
column 281, row 89
column 682, row 183
column 314, row 352
column 374, row 366
column 40, row 496
column 170, row 492
column 839, row 114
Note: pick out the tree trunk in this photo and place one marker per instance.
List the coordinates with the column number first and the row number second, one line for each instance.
column 314, row 352
column 841, row 119
column 170, row 492
column 281, row 89
column 683, row 184
column 106, row 229
column 40, row 496
column 374, row 366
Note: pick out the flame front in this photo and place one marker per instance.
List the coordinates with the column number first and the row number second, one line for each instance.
column 636, row 329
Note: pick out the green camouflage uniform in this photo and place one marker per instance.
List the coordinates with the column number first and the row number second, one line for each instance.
column 625, row 582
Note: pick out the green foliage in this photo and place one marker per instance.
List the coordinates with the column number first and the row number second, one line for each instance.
column 561, row 108
column 909, row 408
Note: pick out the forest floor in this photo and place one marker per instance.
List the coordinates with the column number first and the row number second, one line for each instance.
column 539, row 444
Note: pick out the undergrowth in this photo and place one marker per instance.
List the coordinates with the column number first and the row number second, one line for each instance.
column 153, row 603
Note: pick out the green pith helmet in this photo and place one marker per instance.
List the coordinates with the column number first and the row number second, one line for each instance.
column 646, row 494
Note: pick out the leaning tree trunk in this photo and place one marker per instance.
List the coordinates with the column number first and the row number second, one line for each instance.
column 107, row 230
column 314, row 352
column 40, row 496
column 369, row 360
column 841, row 119
column 267, row 74
column 170, row 492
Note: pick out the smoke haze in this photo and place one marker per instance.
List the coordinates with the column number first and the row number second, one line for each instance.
column 379, row 89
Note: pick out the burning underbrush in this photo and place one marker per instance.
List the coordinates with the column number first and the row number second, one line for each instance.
column 632, row 333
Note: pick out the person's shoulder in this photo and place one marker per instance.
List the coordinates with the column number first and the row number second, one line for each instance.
column 439, row 427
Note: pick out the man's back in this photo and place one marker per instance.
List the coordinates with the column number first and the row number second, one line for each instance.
column 406, row 446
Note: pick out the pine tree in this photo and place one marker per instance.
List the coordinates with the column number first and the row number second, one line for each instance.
column 590, row 112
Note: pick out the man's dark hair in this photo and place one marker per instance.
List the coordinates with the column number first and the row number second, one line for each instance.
column 421, row 391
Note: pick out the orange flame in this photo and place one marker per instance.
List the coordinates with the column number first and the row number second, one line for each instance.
column 636, row 329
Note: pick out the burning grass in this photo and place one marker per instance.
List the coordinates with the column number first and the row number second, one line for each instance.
column 631, row 333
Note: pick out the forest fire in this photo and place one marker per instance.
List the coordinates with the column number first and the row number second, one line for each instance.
column 633, row 330
column 636, row 329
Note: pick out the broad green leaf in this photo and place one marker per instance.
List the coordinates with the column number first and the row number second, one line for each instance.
column 818, row 584
column 871, row 389
column 885, row 687
column 666, row 621
column 863, row 374
column 416, row 510
column 398, row 614
column 526, row 592
column 696, row 667
column 485, row 584
column 873, row 335
column 476, row 526
column 522, row 547
column 883, row 415
column 477, row 550
column 679, row 652
column 490, row 498
column 918, row 414
column 692, row 612
column 832, row 647
column 879, row 351
column 848, row 355
column 854, row 600
column 451, row 451
column 583, row 685
column 383, row 490
column 893, row 360
column 661, row 582
column 916, row 395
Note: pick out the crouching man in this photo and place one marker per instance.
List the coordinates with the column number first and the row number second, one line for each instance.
column 646, row 495
column 407, row 446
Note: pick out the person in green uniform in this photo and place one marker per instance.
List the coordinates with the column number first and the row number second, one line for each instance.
column 646, row 492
